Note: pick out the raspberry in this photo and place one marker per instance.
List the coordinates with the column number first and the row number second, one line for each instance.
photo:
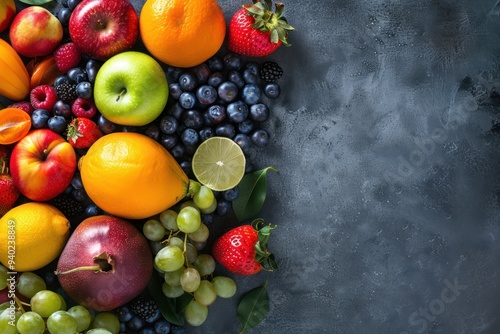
column 83, row 108
column 67, row 56
column 43, row 97
column 270, row 71
column 24, row 105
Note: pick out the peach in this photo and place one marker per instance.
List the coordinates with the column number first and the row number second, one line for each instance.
column 35, row 32
column 7, row 13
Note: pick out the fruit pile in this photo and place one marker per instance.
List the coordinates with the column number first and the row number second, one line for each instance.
column 129, row 156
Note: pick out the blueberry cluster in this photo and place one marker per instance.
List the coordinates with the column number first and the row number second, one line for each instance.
column 67, row 8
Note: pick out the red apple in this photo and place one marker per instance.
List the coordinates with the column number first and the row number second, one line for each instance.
column 42, row 165
column 105, row 264
column 35, row 32
column 103, row 28
column 7, row 13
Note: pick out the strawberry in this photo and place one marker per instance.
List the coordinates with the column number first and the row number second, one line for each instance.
column 67, row 56
column 256, row 31
column 243, row 250
column 83, row 132
column 8, row 191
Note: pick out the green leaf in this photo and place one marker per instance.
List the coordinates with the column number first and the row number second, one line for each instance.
column 253, row 308
column 35, row 2
column 170, row 308
column 252, row 195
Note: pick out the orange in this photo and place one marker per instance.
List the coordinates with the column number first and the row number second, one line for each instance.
column 14, row 125
column 182, row 33
column 130, row 175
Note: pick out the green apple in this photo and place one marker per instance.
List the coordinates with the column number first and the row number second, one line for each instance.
column 131, row 89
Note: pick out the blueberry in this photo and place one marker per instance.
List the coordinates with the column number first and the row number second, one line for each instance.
column 153, row 131
column 57, row 124
column 202, row 73
column 232, row 61
column 63, row 15
column 61, row 79
column 215, row 64
column 216, row 113
column 206, row 94
column 249, row 77
column 176, row 110
column 246, row 126
column 259, row 112
column 92, row 210
column 84, row 90
column 169, row 141
column 174, row 72
column 207, row 218
column 252, row 67
column 130, row 128
column 76, row 182
column 73, row 3
column 215, row 79
column 186, row 166
column 79, row 194
column 147, row 330
column 236, row 78
column 64, row 3
column 190, row 137
column 136, row 323
column 175, row 90
column 192, row 119
column 225, row 130
column 105, row 125
column 251, row 94
column 77, row 75
column 62, row 108
column 223, row 207
column 155, row 317
column 205, row 133
column 231, row 194
column 123, row 327
column 187, row 100
column 272, row 90
column 237, row 111
column 162, row 327
column 188, row 81
column 227, row 91
column 168, row 124
column 178, row 150
column 244, row 142
column 260, row 137
column 92, row 67
column 39, row 118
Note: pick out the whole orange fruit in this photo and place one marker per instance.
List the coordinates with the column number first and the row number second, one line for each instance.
column 182, row 33
column 130, row 175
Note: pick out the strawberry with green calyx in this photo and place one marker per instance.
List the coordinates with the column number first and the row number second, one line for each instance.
column 83, row 132
column 243, row 250
column 256, row 31
column 8, row 191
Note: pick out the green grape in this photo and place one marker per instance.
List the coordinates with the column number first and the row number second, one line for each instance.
column 190, row 279
column 172, row 291
column 30, row 283
column 173, row 278
column 98, row 331
column 201, row 234
column 156, row 246
column 4, row 274
column 8, row 321
column 188, row 219
column 205, row 294
column 189, row 204
column 205, row 263
column 108, row 321
column 195, row 313
column 153, row 230
column 169, row 258
column 30, row 323
column 82, row 317
column 4, row 306
column 191, row 253
column 168, row 219
column 199, row 245
column 211, row 208
column 175, row 241
column 61, row 322
column 224, row 286
column 63, row 304
column 204, row 198
column 45, row 303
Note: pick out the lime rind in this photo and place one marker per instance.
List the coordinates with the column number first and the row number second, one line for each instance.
column 219, row 163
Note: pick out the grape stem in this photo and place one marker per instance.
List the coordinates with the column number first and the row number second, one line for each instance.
column 185, row 250
column 20, row 304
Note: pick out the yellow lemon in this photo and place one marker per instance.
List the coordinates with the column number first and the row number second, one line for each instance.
column 31, row 236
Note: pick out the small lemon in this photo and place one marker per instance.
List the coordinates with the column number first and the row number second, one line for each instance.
column 31, row 236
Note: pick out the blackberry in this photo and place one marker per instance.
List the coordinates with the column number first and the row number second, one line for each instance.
column 270, row 71
column 144, row 307
column 66, row 91
column 67, row 205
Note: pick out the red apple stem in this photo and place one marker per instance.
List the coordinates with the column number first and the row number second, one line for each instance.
column 94, row 268
column 124, row 90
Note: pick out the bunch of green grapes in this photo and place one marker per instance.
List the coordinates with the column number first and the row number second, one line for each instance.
column 178, row 237
column 47, row 311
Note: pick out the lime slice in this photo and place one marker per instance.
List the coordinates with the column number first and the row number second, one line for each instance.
column 219, row 163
